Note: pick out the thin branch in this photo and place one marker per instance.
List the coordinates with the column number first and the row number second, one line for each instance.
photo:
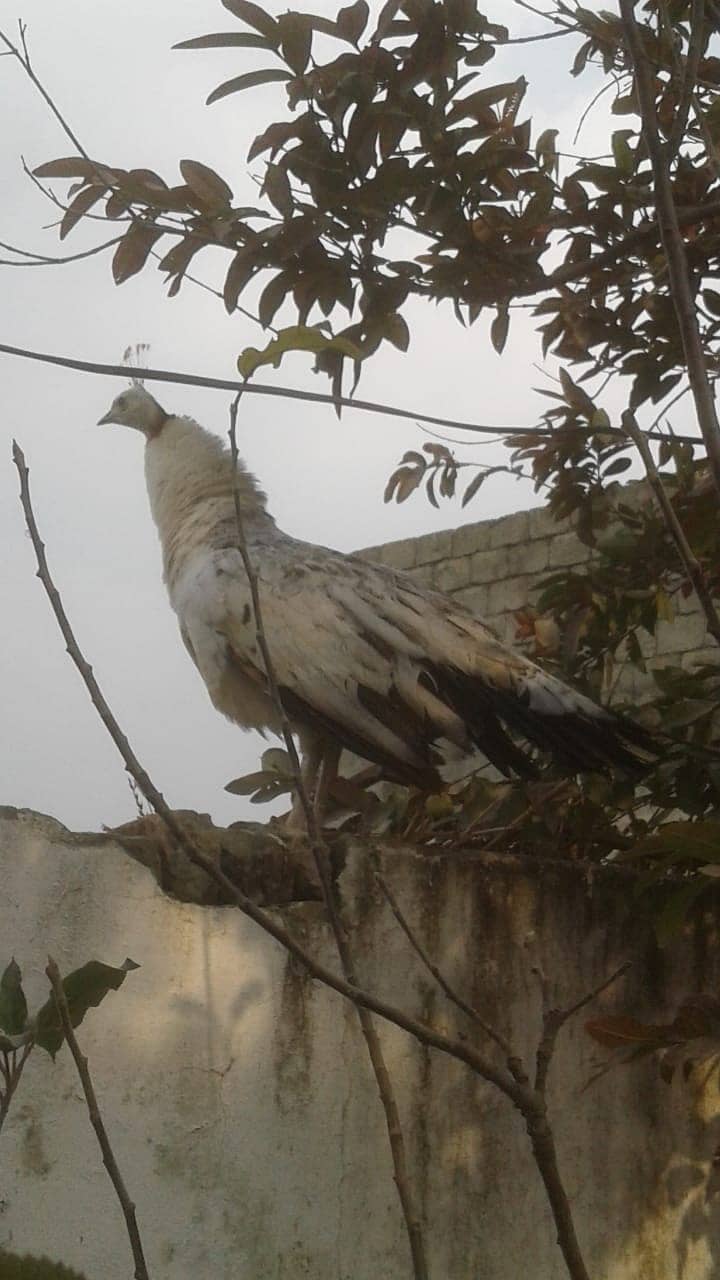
column 96, row 1120
column 673, row 245
column 40, row 260
column 322, row 862
column 513, row 1062
column 203, row 284
column 525, row 1099
column 11, row 1069
column 691, row 564
column 292, row 393
column 545, row 35
column 688, row 75
column 554, row 1020
column 24, row 60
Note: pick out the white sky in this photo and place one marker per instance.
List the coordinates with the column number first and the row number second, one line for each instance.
column 134, row 102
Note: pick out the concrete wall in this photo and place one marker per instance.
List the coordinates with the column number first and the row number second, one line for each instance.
column 241, row 1106
column 494, row 567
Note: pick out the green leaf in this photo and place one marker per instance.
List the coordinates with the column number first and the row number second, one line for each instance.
column 616, row 467
column 84, row 989
column 133, row 250
column 248, row 784
column 575, row 396
column 473, row 487
column 276, row 187
column 687, row 840
column 68, row 167
column 621, row 1032
column 499, row 328
column 546, row 150
column 396, row 331
column 295, row 40
column 623, row 156
column 13, row 1006
column 295, row 338
column 254, row 16
column 277, row 760
column 248, row 81
column 79, row 207
column 352, row 21
column 206, row 184
column 225, row 40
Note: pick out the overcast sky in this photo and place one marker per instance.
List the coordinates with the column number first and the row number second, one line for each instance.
column 135, row 102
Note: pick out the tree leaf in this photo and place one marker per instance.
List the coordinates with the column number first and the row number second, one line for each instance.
column 473, row 487
column 206, row 184
column 84, row 989
column 615, row 468
column 277, row 760
column 546, row 150
column 248, row 81
column 255, row 17
column 499, row 328
column 241, row 269
column 225, row 40
column 248, row 783
column 622, row 154
column 276, row 187
column 13, row 1006
column 79, row 207
column 67, row 167
column 132, row 251
column 295, row 338
column 688, row 840
column 273, row 296
column 618, row 1031
column 396, row 331
column 295, row 40
column 352, row 21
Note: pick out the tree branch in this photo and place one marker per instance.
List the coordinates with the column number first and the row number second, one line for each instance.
column 294, row 393
column 24, row 60
column 322, row 863
column 96, row 1120
column 673, row 245
column 514, row 1064
column 41, row 260
column 690, row 562
column 523, row 1097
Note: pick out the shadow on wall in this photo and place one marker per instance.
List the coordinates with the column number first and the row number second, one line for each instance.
column 244, row 1113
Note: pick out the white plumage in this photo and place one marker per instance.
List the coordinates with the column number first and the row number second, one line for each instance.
column 365, row 657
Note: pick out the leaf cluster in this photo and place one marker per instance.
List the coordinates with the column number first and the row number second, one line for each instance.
column 84, row 988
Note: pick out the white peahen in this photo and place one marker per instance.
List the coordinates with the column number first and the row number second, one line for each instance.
column 365, row 657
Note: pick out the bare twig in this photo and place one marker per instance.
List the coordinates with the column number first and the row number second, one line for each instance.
column 554, row 1020
column 691, row 564
column 291, row 393
column 673, row 244
column 322, row 862
column 688, row 75
column 526, row 1099
column 514, row 1064
column 42, row 260
column 11, row 1069
column 24, row 60
column 96, row 1120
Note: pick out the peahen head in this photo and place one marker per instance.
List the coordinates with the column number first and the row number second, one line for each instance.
column 138, row 409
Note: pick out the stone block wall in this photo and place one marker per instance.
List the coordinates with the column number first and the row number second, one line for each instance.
column 494, row 567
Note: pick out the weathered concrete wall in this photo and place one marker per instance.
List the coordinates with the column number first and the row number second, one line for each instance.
column 241, row 1106
column 494, row 567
